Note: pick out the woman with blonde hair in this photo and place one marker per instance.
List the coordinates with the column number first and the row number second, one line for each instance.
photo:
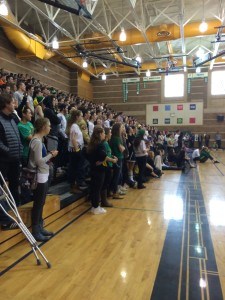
column 38, row 159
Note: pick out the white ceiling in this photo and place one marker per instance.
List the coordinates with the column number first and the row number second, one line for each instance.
column 108, row 16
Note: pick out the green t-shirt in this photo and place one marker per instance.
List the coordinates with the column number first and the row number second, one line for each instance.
column 108, row 152
column 25, row 130
column 115, row 142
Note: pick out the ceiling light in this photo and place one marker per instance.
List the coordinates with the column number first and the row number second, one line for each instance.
column 103, row 76
column 55, row 43
column 3, row 9
column 203, row 26
column 85, row 64
column 123, row 35
column 138, row 58
column 200, row 52
column 198, row 70
column 148, row 73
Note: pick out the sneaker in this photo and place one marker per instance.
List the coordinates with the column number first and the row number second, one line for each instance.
column 192, row 165
column 117, row 196
column 123, row 188
column 141, row 187
column 82, row 186
column 98, row 210
column 103, row 210
column 216, row 162
column 10, row 226
column 120, row 192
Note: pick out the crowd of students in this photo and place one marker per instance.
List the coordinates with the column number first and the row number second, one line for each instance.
column 106, row 152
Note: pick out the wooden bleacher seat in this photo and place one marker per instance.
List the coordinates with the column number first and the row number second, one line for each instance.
column 10, row 238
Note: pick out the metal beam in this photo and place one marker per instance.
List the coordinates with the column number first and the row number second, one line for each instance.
column 183, row 46
column 142, row 30
column 42, row 29
column 24, row 16
column 63, row 30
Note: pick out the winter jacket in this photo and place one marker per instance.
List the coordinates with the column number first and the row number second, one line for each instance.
column 11, row 148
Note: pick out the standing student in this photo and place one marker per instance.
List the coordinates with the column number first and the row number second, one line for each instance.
column 26, row 130
column 98, row 161
column 141, row 156
column 38, row 159
column 76, row 158
column 117, row 147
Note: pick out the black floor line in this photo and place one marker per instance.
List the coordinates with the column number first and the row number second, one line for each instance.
column 41, row 244
column 219, row 169
column 187, row 268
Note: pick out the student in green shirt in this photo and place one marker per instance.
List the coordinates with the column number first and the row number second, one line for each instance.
column 117, row 147
column 205, row 155
column 26, row 131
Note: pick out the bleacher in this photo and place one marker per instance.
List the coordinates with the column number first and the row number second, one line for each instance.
column 58, row 203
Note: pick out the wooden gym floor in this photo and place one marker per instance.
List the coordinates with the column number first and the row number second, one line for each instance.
column 164, row 242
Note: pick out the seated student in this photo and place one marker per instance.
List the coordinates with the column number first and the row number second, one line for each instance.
column 158, row 160
column 151, row 169
column 196, row 155
column 205, row 155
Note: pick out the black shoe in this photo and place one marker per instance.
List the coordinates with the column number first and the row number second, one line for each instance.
column 10, row 226
column 141, row 187
column 40, row 237
column 216, row 162
column 45, row 232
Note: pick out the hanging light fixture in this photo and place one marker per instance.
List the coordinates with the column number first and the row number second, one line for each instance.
column 198, row 70
column 55, row 43
column 203, row 26
column 85, row 64
column 200, row 52
column 138, row 58
column 123, row 35
column 103, row 76
column 3, row 8
column 148, row 73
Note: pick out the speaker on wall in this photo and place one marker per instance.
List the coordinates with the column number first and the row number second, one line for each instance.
column 220, row 118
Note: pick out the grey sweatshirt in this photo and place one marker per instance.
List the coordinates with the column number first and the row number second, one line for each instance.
column 35, row 157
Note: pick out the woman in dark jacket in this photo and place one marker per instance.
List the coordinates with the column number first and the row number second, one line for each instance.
column 98, row 162
column 49, row 112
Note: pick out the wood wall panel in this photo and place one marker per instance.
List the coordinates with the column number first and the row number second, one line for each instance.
column 57, row 75
column 85, row 89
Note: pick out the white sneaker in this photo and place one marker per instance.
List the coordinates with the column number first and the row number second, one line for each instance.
column 103, row 210
column 123, row 188
column 97, row 211
column 120, row 192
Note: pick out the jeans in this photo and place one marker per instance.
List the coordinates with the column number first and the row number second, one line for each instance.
column 39, row 200
column 76, row 168
column 11, row 173
column 97, row 183
column 117, row 171
column 141, row 161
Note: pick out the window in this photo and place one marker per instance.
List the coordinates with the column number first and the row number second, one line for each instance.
column 218, row 83
column 174, row 85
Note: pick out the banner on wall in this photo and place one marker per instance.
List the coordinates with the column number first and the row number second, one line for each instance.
column 198, row 75
column 174, row 114
column 129, row 80
column 152, row 78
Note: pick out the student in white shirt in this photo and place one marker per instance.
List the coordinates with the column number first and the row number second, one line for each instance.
column 76, row 143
